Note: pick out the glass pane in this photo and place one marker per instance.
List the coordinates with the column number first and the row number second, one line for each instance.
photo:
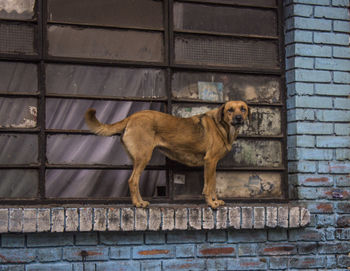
column 18, row 149
column 18, row 113
column 69, row 114
column 140, row 13
column 81, row 149
column 18, row 183
column 17, row 39
column 230, row 184
column 224, row 19
column 18, row 77
column 253, row 153
column 264, row 121
column 105, row 81
column 100, row 183
column 250, row 88
column 226, row 52
column 105, row 44
column 18, row 10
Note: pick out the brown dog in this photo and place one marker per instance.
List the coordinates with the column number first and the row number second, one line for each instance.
column 196, row 141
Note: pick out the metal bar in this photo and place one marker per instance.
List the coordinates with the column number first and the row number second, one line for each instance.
column 113, row 98
column 229, row 3
column 19, row 166
column 189, row 100
column 19, row 94
column 101, row 167
column 22, row 58
column 223, row 34
column 19, row 130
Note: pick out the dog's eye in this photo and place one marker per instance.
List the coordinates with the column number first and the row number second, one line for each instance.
column 230, row 110
column 243, row 109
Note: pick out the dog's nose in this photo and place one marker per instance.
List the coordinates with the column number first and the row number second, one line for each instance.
column 239, row 118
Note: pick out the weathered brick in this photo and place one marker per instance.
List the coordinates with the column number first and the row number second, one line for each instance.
column 121, row 238
column 215, row 250
column 271, row 217
column 247, row 236
column 247, row 217
column 208, row 218
column 250, row 249
column 150, row 252
column 247, row 264
column 280, row 263
column 118, row 266
column 341, row 77
column 151, row 265
column 127, row 219
column 217, row 236
column 86, row 238
column 331, row 12
column 168, row 215
column 17, row 256
column 294, row 217
column 343, row 234
column 43, row 220
column 100, row 219
column 184, row 264
column 315, row 180
column 141, row 219
column 343, row 221
column 57, row 220
column 84, row 266
column 155, row 219
column 307, row 262
column 16, row 220
column 50, row 239
column 277, row 235
column 12, row 240
column 186, row 237
column 306, row 235
column 113, row 217
column 185, row 251
column 181, row 218
column 259, row 217
column 154, row 237
column 282, row 219
column 195, row 218
column 72, row 219
column 332, row 89
column 307, row 248
column 49, row 255
column 49, row 266
column 216, row 264
column 274, row 249
column 4, row 218
column 221, row 218
column 29, row 220
column 234, row 215
column 85, row 221
column 333, row 141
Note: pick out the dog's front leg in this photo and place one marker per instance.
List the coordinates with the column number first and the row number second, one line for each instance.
column 209, row 189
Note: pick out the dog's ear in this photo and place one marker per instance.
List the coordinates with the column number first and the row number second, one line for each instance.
column 220, row 113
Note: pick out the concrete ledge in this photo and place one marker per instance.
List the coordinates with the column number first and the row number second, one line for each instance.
column 108, row 218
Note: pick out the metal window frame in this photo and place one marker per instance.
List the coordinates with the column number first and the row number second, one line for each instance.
column 170, row 67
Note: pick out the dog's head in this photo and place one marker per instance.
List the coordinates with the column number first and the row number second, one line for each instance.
column 234, row 113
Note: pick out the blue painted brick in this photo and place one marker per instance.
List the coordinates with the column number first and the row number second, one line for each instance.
column 331, row 13
column 334, row 167
column 325, row 220
column 333, row 141
column 343, row 261
column 341, row 26
column 49, row 254
column 307, row 262
column 274, row 249
column 306, row 248
column 313, row 2
column 314, row 128
column 279, row 263
column 302, row 75
column 50, row 239
column 300, row 10
column 86, row 238
column 342, row 154
column 312, row 235
column 249, row 249
column 18, row 255
column 303, row 167
column 120, row 252
column 332, row 64
column 308, row 50
column 300, row 62
column 342, row 3
column 301, row 141
column 154, row 238
column 312, row 102
column 341, row 52
column 217, row 236
column 277, row 235
column 121, row 238
column 150, row 252
column 298, row 36
column 343, row 234
column 84, row 266
column 94, row 253
column 308, row 24
column 118, row 266
column 184, row 264
column 334, row 248
column 342, row 77
column 216, row 264
column 330, row 234
column 216, row 250
column 315, row 180
column 12, row 267
column 342, row 129
column 311, row 193
column 342, row 103
column 247, row 264
column 311, row 154
column 331, row 38
column 185, row 251
column 151, row 265
column 332, row 90
column 297, row 88
column 186, row 237
column 51, row 267
column 343, row 180
column 247, row 236
column 12, row 240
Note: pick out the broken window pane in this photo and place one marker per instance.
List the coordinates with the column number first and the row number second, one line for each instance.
column 18, row 77
column 243, row 185
column 17, row 39
column 105, row 81
column 69, row 113
column 250, row 88
column 225, row 51
column 17, row 9
column 225, row 19
column 121, row 13
column 90, row 149
column 77, row 42
column 264, row 121
column 100, row 183
column 18, row 183
column 18, row 149
column 254, row 153
column 18, row 113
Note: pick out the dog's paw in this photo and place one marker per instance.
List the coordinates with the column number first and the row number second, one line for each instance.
column 141, row 204
column 221, row 202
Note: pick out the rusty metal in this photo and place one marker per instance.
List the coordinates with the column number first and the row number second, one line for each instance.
column 41, row 58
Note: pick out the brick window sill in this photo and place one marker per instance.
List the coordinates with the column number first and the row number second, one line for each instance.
column 162, row 218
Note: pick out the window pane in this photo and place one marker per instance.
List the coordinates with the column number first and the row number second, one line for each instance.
column 17, row 39
column 18, row 77
column 18, row 10
column 250, row 88
column 105, row 81
column 264, row 121
column 18, row 113
column 100, row 183
column 253, row 153
column 18, row 149
column 81, row 149
column 225, row 52
column 140, row 13
column 69, row 113
column 230, row 184
column 17, row 183
column 224, row 19
column 105, row 44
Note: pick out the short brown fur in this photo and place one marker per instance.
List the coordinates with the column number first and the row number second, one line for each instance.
column 201, row 140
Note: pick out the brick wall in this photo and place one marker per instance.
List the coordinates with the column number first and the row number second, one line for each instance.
column 318, row 78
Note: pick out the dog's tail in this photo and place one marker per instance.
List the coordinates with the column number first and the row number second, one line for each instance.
column 103, row 129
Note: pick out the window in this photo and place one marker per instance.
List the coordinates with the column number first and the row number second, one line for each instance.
column 60, row 57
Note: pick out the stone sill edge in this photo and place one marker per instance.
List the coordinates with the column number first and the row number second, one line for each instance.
column 85, row 219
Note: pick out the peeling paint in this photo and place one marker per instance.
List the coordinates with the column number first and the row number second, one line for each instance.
column 154, row 252
column 217, row 251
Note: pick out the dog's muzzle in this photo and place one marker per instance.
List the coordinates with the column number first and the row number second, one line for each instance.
column 238, row 120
